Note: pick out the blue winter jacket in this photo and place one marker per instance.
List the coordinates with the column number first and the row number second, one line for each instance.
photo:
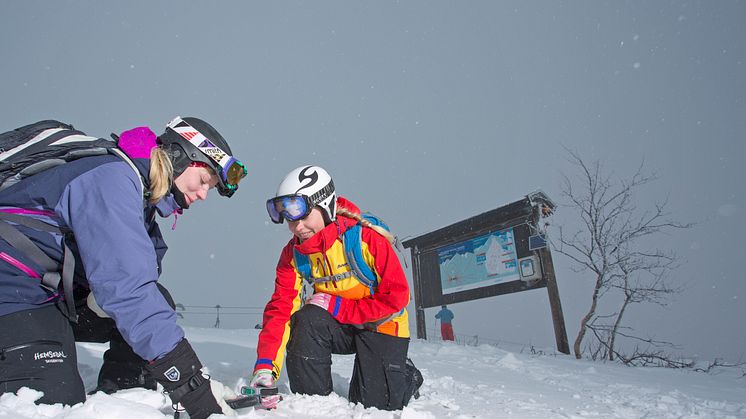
column 445, row 315
column 117, row 244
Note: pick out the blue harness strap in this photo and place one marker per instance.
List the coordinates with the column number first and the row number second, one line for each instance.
column 352, row 240
column 303, row 265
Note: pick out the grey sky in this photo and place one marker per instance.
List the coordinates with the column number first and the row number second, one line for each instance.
column 425, row 112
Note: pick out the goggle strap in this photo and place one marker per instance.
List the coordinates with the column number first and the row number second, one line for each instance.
column 206, row 146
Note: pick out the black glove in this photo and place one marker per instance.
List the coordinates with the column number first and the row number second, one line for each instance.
column 179, row 374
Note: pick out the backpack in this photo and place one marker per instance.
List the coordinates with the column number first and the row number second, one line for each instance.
column 352, row 240
column 29, row 150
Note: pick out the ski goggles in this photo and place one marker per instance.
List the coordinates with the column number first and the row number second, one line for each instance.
column 232, row 173
column 229, row 169
column 289, row 207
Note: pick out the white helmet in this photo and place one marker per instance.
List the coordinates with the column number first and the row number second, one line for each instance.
column 315, row 183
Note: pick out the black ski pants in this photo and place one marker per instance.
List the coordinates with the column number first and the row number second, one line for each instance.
column 37, row 350
column 379, row 377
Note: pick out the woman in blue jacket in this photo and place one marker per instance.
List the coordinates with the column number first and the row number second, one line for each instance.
column 105, row 207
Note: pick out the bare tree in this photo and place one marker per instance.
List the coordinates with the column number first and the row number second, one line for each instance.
column 643, row 277
column 718, row 363
column 611, row 244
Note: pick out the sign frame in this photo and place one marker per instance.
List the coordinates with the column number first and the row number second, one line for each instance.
column 523, row 216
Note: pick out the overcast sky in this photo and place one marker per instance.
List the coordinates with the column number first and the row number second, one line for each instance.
column 424, row 112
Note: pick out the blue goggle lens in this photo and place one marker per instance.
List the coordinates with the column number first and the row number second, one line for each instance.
column 288, row 207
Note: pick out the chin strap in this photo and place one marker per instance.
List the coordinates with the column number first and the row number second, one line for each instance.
column 179, row 197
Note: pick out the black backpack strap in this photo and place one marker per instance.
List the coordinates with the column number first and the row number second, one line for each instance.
column 31, row 222
column 22, row 243
column 51, row 278
column 68, row 273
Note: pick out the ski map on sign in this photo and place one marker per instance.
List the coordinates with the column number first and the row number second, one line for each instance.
column 479, row 262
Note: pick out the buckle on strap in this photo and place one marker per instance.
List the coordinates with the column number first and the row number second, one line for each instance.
column 336, row 277
column 51, row 278
column 192, row 384
column 50, row 281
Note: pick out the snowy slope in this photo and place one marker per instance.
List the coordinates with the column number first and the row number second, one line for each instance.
column 460, row 382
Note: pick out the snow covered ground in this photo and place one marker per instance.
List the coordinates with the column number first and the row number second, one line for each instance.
column 460, row 382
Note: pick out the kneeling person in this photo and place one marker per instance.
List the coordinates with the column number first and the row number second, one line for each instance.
column 349, row 312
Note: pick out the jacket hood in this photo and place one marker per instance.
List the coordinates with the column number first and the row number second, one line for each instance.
column 324, row 239
column 137, row 143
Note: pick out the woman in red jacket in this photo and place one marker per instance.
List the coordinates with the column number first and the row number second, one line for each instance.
column 345, row 314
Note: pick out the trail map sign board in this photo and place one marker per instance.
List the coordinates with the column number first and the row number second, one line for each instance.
column 482, row 261
column 485, row 256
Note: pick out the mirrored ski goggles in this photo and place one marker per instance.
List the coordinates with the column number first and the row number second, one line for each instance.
column 289, row 207
column 232, row 173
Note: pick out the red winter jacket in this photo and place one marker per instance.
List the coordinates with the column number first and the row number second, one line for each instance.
column 351, row 303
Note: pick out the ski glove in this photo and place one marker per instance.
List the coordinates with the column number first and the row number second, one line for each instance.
column 264, row 379
column 179, row 372
column 321, row 299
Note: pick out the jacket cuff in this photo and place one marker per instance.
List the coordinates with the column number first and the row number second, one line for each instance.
column 335, row 305
column 263, row 364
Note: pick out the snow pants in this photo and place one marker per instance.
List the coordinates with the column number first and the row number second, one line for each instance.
column 382, row 376
column 37, row 350
column 446, row 331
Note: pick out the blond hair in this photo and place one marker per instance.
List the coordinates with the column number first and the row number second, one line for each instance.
column 380, row 230
column 161, row 174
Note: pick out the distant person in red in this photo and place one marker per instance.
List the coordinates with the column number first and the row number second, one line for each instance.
column 446, row 328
